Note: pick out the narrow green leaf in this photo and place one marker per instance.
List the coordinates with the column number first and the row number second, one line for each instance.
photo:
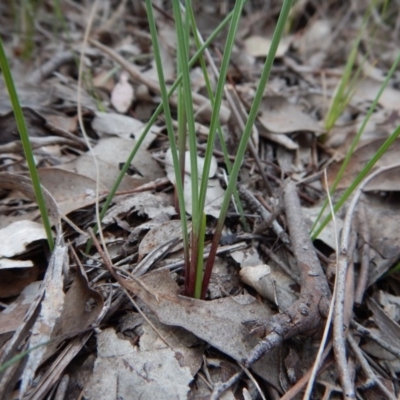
column 245, row 138
column 23, row 131
column 170, row 129
column 151, row 122
column 354, row 144
column 381, row 151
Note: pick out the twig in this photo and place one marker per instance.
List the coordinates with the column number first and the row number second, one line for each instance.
column 265, row 215
column 279, row 263
column 305, row 314
column 275, row 211
column 339, row 328
column 365, row 237
column 367, row 369
column 318, row 359
column 371, row 335
column 36, row 142
column 220, row 388
column 109, row 266
column 155, row 255
column 295, row 390
column 255, row 383
column 50, row 66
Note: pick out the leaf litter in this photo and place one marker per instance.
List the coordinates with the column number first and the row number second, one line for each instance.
column 269, row 292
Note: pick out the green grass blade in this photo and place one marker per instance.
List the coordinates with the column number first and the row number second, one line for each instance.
column 182, row 33
column 182, row 43
column 151, row 122
column 20, row 356
column 381, row 151
column 355, row 142
column 341, row 98
column 23, row 131
column 200, row 255
column 237, row 12
column 182, row 122
column 198, row 205
column 199, row 41
column 245, row 138
column 343, row 93
column 170, row 129
column 182, row 141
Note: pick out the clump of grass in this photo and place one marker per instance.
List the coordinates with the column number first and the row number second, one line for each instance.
column 196, row 277
column 197, row 281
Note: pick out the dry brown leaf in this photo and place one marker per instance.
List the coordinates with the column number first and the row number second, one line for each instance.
column 13, row 315
column 82, row 307
column 66, row 123
column 160, row 234
column 314, row 44
column 16, row 277
column 390, row 304
column 179, row 340
column 359, row 159
column 389, row 331
column 51, row 308
column 35, row 124
column 367, row 89
column 279, row 116
column 218, row 322
column 124, row 126
column 15, row 240
column 383, row 218
column 104, row 80
column 272, row 284
column 112, row 153
column 147, row 204
column 121, row 371
column 328, row 234
column 71, row 191
column 23, row 184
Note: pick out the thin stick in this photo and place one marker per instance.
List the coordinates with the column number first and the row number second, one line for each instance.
column 363, row 275
column 109, row 266
column 222, row 387
column 371, row 335
column 339, row 328
column 255, row 383
column 305, row 314
column 255, row 206
column 339, row 344
column 279, row 263
column 296, row 389
column 318, row 359
column 367, row 369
